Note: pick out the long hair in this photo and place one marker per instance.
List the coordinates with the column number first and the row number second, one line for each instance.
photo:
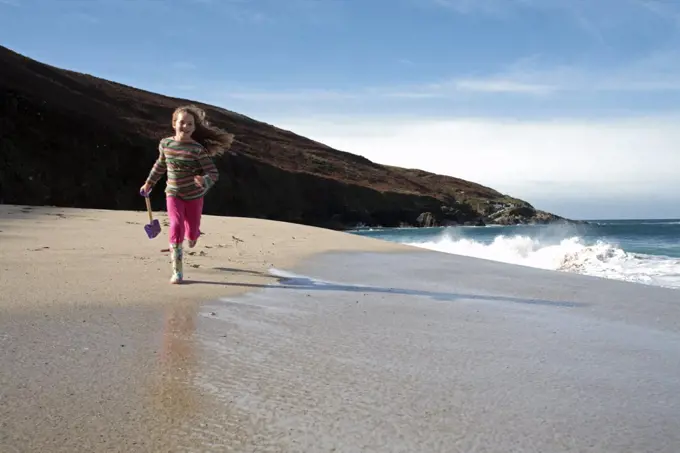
column 215, row 140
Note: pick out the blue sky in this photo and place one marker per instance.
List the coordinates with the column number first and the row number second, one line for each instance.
column 569, row 104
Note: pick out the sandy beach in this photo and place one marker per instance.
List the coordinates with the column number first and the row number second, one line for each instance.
column 297, row 339
column 88, row 318
column 113, row 262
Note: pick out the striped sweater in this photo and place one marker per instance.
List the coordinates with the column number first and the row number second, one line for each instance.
column 183, row 161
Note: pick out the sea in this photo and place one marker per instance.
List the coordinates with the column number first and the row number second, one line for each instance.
column 640, row 251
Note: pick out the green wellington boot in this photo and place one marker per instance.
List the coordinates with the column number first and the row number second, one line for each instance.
column 177, row 267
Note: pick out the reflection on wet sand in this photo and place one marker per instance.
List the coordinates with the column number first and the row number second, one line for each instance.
column 195, row 387
column 175, row 404
column 175, row 395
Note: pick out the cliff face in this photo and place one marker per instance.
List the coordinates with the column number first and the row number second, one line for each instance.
column 70, row 139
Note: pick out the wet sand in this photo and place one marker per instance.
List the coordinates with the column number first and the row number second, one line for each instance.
column 312, row 348
column 95, row 343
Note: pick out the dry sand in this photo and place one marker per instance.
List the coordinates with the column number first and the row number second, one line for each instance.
column 55, row 256
column 405, row 351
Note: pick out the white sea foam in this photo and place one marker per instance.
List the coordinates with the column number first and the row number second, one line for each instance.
column 570, row 255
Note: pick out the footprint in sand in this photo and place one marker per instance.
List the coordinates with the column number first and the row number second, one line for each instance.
column 201, row 253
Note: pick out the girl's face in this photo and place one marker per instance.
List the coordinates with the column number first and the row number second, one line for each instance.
column 184, row 125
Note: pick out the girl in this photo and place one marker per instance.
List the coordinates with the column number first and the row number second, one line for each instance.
column 186, row 157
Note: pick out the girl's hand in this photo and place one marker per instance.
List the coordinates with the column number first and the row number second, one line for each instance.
column 199, row 181
column 145, row 189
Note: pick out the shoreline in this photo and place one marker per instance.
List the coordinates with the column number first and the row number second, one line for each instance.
column 635, row 253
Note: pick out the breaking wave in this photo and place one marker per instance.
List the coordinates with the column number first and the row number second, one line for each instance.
column 571, row 254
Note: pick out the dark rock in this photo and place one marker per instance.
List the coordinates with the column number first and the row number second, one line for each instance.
column 522, row 211
column 426, row 219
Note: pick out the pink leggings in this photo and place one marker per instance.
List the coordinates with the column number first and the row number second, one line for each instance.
column 185, row 217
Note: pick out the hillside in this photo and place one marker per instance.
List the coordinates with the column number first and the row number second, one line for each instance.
column 72, row 140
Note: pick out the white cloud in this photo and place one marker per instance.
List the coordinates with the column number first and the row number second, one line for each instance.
column 184, row 66
column 470, row 6
column 658, row 72
column 500, row 85
column 272, row 11
column 665, row 10
column 307, row 95
column 81, row 17
column 538, row 160
column 508, row 8
column 595, row 18
column 660, row 8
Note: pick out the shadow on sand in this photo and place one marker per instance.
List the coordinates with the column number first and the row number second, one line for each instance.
column 310, row 284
